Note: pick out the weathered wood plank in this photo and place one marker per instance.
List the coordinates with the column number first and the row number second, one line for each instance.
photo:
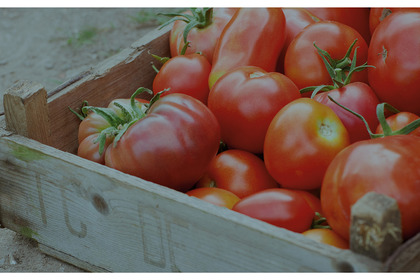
column 26, row 111
column 116, row 222
column 406, row 258
column 117, row 77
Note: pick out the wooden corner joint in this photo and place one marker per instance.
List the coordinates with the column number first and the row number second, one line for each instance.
column 375, row 229
column 26, row 111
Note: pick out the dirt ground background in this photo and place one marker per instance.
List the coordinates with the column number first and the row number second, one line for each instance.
column 49, row 46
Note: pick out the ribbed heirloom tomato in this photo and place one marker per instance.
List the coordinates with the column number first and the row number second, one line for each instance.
column 172, row 144
column 171, row 141
column 93, row 124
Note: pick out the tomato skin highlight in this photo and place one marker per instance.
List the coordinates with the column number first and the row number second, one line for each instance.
column 172, row 145
column 280, row 207
column 245, row 100
column 301, row 141
column 398, row 121
column 216, row 196
column 257, row 42
column 396, row 57
column 187, row 74
column 388, row 165
column 239, row 172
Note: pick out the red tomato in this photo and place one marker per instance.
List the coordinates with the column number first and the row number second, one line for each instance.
column 327, row 236
column 396, row 57
column 313, row 201
column 296, row 20
column 358, row 97
column 389, row 165
column 239, row 172
column 377, row 15
column 245, row 100
column 186, row 74
column 280, row 207
column 210, row 23
column 398, row 121
column 243, row 42
column 215, row 196
column 305, row 67
column 358, row 18
column 89, row 148
column 301, row 141
column 171, row 145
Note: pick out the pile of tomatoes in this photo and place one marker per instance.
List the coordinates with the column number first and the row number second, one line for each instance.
column 287, row 115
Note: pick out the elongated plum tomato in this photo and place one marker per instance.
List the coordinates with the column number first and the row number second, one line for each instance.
column 171, row 145
column 216, row 196
column 245, row 100
column 388, row 165
column 301, row 141
column 239, row 172
column 257, row 42
column 280, row 207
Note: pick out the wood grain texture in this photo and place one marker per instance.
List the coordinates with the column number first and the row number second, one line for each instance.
column 26, row 112
column 115, row 222
column 375, row 229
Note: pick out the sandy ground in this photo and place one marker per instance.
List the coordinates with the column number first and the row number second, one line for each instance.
column 50, row 46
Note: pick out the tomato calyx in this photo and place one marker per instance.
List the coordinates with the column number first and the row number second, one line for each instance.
column 320, row 221
column 200, row 18
column 380, row 113
column 119, row 123
column 340, row 70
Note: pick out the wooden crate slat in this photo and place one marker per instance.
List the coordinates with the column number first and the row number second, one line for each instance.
column 117, row 222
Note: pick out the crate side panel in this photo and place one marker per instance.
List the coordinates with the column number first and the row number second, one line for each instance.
column 116, row 77
column 116, row 222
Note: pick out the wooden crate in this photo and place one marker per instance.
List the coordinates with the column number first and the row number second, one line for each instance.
column 100, row 219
